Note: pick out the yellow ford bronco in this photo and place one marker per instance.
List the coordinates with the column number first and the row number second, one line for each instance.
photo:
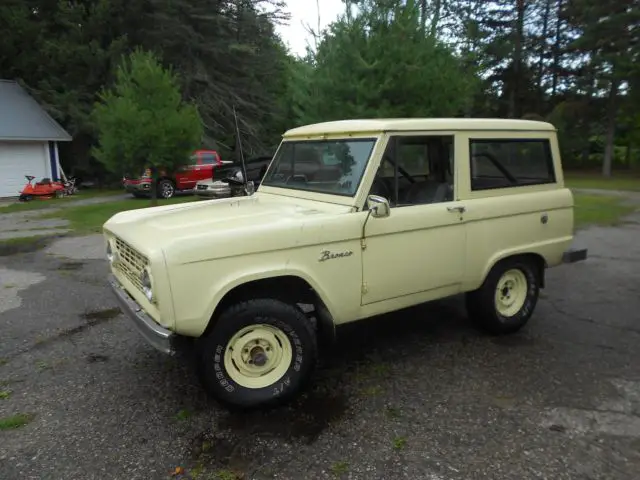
column 352, row 219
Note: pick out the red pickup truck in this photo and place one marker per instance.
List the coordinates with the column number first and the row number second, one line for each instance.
column 201, row 166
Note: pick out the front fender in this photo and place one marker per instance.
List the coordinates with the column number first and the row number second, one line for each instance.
column 272, row 273
column 198, row 288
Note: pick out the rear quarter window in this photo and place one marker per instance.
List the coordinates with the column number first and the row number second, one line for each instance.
column 510, row 163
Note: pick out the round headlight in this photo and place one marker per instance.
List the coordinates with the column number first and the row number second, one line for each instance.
column 147, row 286
column 109, row 252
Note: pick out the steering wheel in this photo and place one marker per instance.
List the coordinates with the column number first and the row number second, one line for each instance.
column 298, row 178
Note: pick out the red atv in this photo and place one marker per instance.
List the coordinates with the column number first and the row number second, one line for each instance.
column 46, row 189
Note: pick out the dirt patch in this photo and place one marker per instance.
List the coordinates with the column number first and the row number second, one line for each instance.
column 97, row 358
column 239, row 442
column 305, row 419
column 90, row 247
column 19, row 245
column 70, row 266
column 92, row 318
column 97, row 316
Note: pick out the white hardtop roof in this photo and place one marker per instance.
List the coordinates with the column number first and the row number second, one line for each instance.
column 415, row 124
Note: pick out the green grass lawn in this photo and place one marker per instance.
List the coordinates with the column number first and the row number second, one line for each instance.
column 17, row 206
column 599, row 210
column 90, row 218
column 619, row 181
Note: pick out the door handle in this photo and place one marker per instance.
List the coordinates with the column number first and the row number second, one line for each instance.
column 459, row 209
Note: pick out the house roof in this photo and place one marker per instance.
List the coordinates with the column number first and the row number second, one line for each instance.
column 415, row 124
column 22, row 118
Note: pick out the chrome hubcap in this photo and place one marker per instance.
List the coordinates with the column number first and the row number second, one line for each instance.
column 167, row 190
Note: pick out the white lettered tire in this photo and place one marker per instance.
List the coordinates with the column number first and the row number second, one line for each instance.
column 508, row 296
column 260, row 353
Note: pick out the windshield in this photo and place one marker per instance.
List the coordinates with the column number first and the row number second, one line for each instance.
column 324, row 166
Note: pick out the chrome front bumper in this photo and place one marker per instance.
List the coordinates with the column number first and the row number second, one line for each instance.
column 159, row 337
column 217, row 189
column 137, row 187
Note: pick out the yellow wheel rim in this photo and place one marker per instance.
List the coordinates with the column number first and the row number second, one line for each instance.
column 511, row 292
column 258, row 356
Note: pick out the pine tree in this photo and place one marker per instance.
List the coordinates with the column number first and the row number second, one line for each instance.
column 143, row 122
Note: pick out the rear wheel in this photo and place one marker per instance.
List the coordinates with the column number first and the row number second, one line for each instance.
column 507, row 298
column 259, row 354
column 166, row 189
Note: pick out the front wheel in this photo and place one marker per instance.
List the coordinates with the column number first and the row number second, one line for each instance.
column 260, row 353
column 507, row 298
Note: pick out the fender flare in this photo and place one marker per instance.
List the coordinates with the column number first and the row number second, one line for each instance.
column 274, row 274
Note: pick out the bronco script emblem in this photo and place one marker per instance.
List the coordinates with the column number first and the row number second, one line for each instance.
column 327, row 255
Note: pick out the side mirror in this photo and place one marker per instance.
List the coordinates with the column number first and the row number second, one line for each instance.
column 251, row 187
column 379, row 206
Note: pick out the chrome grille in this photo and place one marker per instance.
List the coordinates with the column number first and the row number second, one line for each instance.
column 131, row 262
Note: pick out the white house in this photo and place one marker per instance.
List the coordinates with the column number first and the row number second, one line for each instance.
column 28, row 140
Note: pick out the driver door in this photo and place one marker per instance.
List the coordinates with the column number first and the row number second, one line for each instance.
column 186, row 174
column 419, row 249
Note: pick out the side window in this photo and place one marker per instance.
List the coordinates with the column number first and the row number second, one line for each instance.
column 510, row 163
column 416, row 170
column 208, row 158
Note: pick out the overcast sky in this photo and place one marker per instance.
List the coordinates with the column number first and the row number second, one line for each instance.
column 305, row 11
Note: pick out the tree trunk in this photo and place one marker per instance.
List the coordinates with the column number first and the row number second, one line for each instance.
column 586, row 124
column 556, row 50
column 436, row 18
column 612, row 109
column 423, row 15
column 543, row 49
column 154, row 186
column 584, row 163
column 515, row 103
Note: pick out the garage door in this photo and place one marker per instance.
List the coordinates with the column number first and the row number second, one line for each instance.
column 18, row 159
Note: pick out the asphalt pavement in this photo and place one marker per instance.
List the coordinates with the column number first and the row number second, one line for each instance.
column 419, row 394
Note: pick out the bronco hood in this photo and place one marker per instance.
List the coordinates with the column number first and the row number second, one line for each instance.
column 209, row 223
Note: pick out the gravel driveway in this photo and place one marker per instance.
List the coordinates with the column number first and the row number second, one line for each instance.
column 418, row 395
